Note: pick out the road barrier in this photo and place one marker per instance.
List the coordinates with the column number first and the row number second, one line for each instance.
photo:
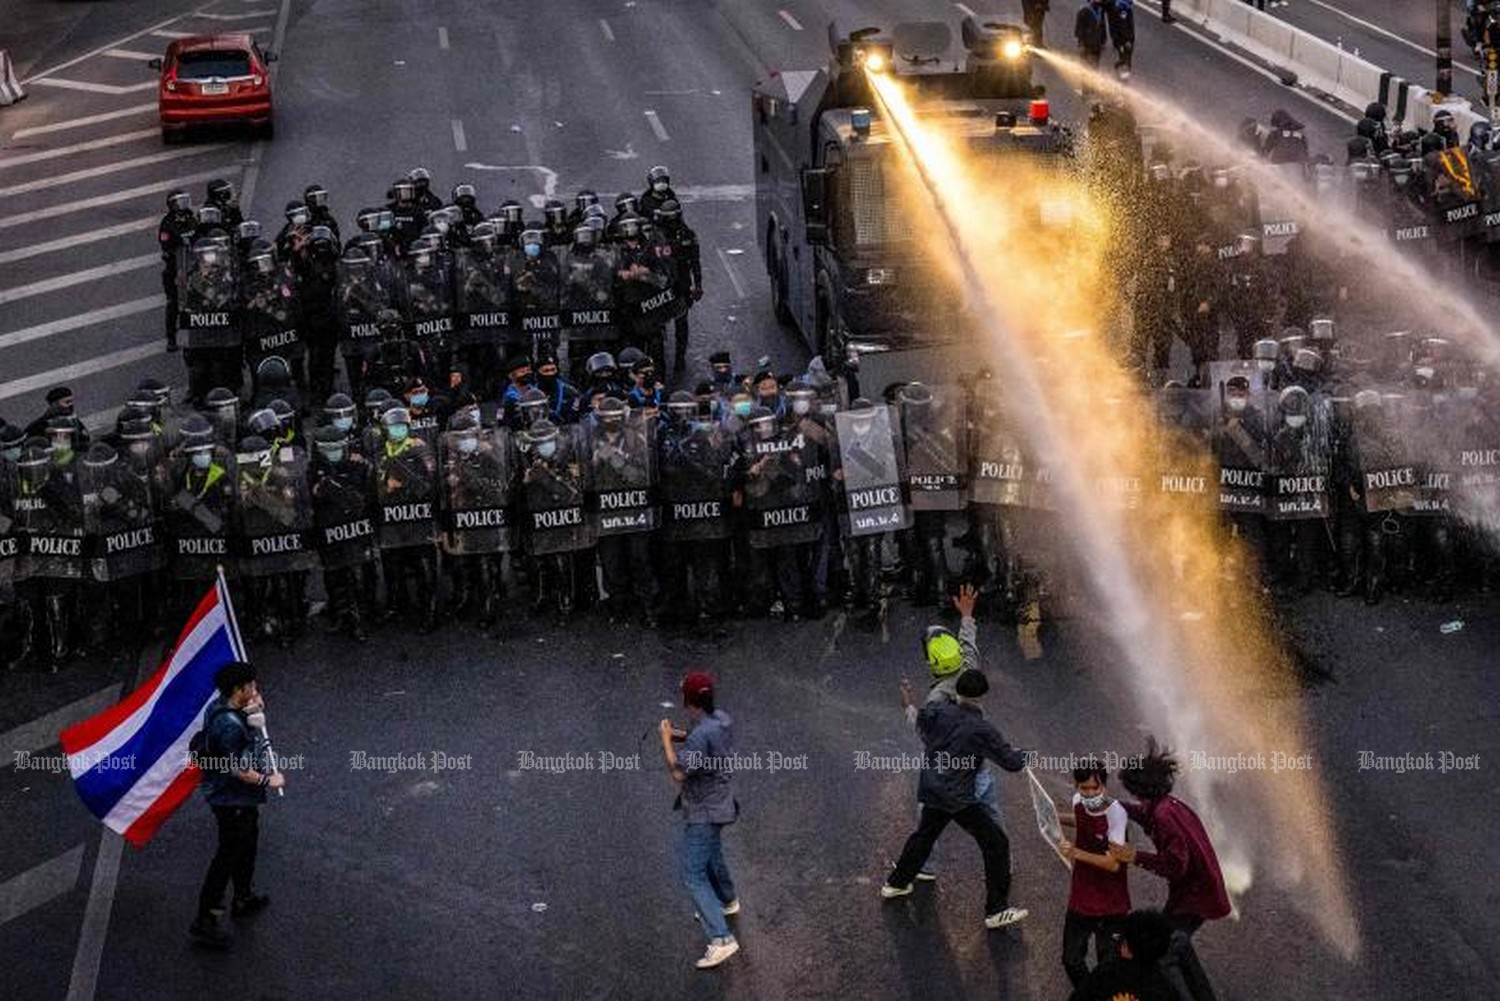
column 1306, row 60
column 11, row 90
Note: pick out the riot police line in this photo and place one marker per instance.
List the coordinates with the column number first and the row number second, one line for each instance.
column 466, row 289
column 1380, row 470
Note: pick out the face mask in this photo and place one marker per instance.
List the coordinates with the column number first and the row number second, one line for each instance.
column 769, row 402
column 343, row 423
column 202, row 460
column 397, row 432
column 334, row 455
column 547, row 449
column 1425, row 372
column 1237, row 404
column 828, row 408
column 300, row 219
column 801, row 407
column 1265, row 365
column 533, row 250
column 742, row 408
column 419, row 399
column 11, row 455
column 474, row 413
column 1094, row 802
column 468, row 445
column 722, row 375
column 1295, row 421
column 660, row 187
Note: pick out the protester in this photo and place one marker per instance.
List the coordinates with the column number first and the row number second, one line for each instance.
column 1135, row 973
column 1098, row 894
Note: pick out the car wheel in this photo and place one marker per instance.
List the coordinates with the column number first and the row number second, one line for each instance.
column 268, row 130
column 778, row 291
column 170, row 136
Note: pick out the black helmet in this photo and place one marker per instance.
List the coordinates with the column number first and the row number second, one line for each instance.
column 542, row 431
column 254, row 449
column 1294, row 401
column 294, row 209
column 420, row 177
column 463, row 422
column 220, row 191
column 396, row 414
column 629, row 225
column 156, row 388
column 669, row 211
column 133, row 424
column 209, row 215
column 321, row 235
column 367, row 219
column 262, row 262
column 681, row 404
column 1375, row 111
column 197, row 434
column 338, row 405
column 179, row 201
column 219, row 398
column 465, row 195
column 316, row 196
column 511, row 211
column 600, row 362
column 658, row 175
column 329, row 439
column 555, row 212
column 248, row 230
column 99, row 455
column 484, row 236
column 611, row 410
column 533, row 402
column 584, row 199
column 585, row 237
column 626, row 202
column 403, row 190
column 628, row 358
column 285, row 415
column 762, row 422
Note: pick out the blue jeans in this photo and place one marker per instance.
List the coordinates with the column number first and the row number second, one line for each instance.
column 700, row 859
column 988, row 795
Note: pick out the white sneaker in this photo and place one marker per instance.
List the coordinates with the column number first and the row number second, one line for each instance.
column 927, row 875
column 889, row 892
column 1009, row 916
column 732, row 908
column 718, row 950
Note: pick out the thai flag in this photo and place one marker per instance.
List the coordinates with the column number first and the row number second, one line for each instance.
column 130, row 763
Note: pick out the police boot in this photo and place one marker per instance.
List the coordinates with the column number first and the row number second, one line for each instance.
column 426, row 580
column 462, row 596
column 937, row 570
column 59, row 624
column 489, row 591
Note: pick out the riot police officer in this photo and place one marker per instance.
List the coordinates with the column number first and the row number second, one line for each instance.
column 427, row 200
column 658, row 192
column 343, row 496
column 315, row 197
column 221, row 196
column 173, row 235
column 406, row 488
column 682, row 242
column 559, row 535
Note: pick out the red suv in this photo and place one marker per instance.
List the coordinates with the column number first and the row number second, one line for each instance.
column 214, row 79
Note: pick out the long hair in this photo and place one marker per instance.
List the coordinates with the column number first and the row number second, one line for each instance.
column 1153, row 775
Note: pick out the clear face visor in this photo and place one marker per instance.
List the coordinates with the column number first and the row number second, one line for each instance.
column 179, row 202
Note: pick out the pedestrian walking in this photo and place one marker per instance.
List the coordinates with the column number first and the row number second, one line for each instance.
column 1120, row 17
column 234, row 755
column 948, row 656
column 957, row 739
column 1098, row 894
column 1184, row 857
column 1090, row 30
column 1034, row 13
column 703, row 773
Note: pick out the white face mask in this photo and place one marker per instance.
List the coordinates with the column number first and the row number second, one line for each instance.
column 1094, row 803
column 801, row 407
column 1265, row 364
column 547, row 449
column 468, row 445
column 1237, row 404
column 659, row 186
column 1426, row 372
column 1295, row 420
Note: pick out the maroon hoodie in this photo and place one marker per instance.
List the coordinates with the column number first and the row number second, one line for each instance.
column 1184, row 857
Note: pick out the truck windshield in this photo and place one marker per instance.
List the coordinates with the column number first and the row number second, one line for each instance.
column 876, row 199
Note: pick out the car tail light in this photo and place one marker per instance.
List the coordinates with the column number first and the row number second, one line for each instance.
column 256, row 80
column 170, row 80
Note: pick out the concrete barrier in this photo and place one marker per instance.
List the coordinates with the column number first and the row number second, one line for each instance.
column 11, row 90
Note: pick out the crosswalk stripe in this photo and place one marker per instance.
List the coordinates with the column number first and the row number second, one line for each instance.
column 247, row 15
column 83, row 147
column 77, row 322
column 83, row 277
column 131, row 54
column 125, row 195
column 78, row 239
column 42, row 882
column 164, row 33
column 71, row 373
column 74, row 123
column 42, row 183
column 94, row 88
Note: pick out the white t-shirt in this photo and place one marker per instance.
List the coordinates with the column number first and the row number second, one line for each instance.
column 1116, row 816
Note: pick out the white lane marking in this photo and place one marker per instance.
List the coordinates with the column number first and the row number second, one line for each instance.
column 965, row 10
column 40, row 883
column 657, row 126
column 42, row 183
column 172, row 34
column 77, row 239
column 443, row 38
column 1377, row 29
column 791, row 22
column 125, row 195
column 130, row 54
column 62, row 326
column 75, row 123
column 732, row 272
column 70, row 373
column 609, row 33
column 85, row 979
column 158, row 26
column 460, row 141
column 257, row 149
column 1254, row 67
column 83, row 147
column 94, row 88
column 28, row 738
column 246, row 16
column 715, row 193
column 83, row 277
column 547, row 174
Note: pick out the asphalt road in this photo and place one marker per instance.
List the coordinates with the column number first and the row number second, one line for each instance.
column 502, row 880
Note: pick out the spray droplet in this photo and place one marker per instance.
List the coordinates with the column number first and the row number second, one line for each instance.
column 539, row 907
column 1451, row 627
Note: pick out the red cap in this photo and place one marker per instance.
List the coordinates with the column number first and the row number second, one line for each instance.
column 696, row 684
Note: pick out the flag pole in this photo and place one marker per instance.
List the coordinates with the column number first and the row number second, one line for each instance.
column 238, row 644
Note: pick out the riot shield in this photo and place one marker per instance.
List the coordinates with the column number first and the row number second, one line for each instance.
column 363, row 291
column 873, row 482
column 932, row 436
column 1475, row 461
column 427, row 297
column 623, row 476
column 997, row 465
column 269, row 318
column 1486, row 168
column 538, row 299
column 478, row 493
column 782, row 504
column 588, row 296
column 554, row 491
column 200, row 514
column 1457, row 201
column 1183, row 475
column 10, row 539
column 1425, row 422
column 483, row 297
column 1388, row 478
column 672, row 301
column 1300, row 466
column 275, row 512
column 208, row 312
column 1408, row 222
column 696, row 461
column 119, row 517
column 1279, row 215
column 406, row 489
column 343, row 496
column 646, row 286
column 49, row 519
column 1240, row 445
